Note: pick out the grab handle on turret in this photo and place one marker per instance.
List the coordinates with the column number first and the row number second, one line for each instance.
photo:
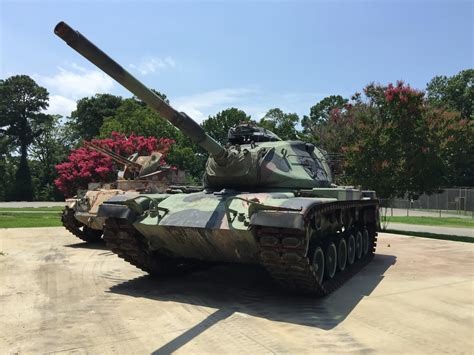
column 178, row 119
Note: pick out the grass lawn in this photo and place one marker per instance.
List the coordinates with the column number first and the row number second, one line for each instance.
column 434, row 221
column 50, row 217
column 24, row 219
column 32, row 209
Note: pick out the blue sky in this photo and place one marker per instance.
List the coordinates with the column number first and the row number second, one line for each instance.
column 254, row 55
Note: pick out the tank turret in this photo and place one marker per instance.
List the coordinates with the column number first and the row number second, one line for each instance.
column 257, row 158
column 248, row 132
column 137, row 166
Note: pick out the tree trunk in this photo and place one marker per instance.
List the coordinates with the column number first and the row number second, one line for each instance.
column 22, row 188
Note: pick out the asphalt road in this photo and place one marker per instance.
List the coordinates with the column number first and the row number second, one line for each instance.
column 400, row 212
column 59, row 295
column 464, row 232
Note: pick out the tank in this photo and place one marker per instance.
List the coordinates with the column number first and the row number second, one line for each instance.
column 141, row 174
column 266, row 201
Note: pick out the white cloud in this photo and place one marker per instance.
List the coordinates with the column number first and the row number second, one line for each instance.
column 289, row 102
column 69, row 85
column 254, row 102
column 76, row 83
column 60, row 105
column 200, row 106
column 150, row 65
column 255, row 113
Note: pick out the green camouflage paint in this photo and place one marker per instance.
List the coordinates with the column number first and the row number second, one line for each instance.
column 269, row 202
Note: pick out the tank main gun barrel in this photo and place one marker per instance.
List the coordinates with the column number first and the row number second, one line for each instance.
column 178, row 119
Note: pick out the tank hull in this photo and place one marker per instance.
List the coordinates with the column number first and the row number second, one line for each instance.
column 87, row 225
column 80, row 213
column 282, row 231
column 215, row 227
column 287, row 215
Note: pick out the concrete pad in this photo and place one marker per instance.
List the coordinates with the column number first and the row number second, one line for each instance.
column 60, row 295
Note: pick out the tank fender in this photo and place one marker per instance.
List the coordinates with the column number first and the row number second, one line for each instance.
column 278, row 219
column 116, row 207
column 288, row 219
column 108, row 210
column 129, row 205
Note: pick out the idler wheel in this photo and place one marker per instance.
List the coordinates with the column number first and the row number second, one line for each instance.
column 358, row 245
column 318, row 264
column 331, row 260
column 342, row 254
column 365, row 242
column 351, row 249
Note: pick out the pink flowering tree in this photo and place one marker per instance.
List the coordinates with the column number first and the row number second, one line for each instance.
column 85, row 165
column 394, row 150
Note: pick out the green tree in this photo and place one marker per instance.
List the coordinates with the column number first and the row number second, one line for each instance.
column 455, row 93
column 161, row 95
column 280, row 123
column 87, row 119
column 5, row 166
column 21, row 119
column 217, row 126
column 134, row 116
column 453, row 136
column 395, row 152
column 47, row 150
column 337, row 133
column 318, row 123
column 320, row 112
column 188, row 158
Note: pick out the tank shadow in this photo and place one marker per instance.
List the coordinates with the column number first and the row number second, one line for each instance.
column 83, row 245
column 249, row 290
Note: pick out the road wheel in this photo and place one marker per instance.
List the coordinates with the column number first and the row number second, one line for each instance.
column 358, row 245
column 365, row 242
column 318, row 264
column 342, row 254
column 331, row 260
column 351, row 249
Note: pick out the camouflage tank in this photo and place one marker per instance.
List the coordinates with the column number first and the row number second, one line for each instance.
column 266, row 201
column 141, row 174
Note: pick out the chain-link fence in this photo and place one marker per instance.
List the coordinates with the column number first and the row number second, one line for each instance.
column 451, row 201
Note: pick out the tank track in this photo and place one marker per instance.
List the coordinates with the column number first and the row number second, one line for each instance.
column 125, row 241
column 78, row 229
column 286, row 254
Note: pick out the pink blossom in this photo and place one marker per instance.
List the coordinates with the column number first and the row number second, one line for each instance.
column 84, row 165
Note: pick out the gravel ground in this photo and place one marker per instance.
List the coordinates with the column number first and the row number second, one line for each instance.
column 59, row 295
